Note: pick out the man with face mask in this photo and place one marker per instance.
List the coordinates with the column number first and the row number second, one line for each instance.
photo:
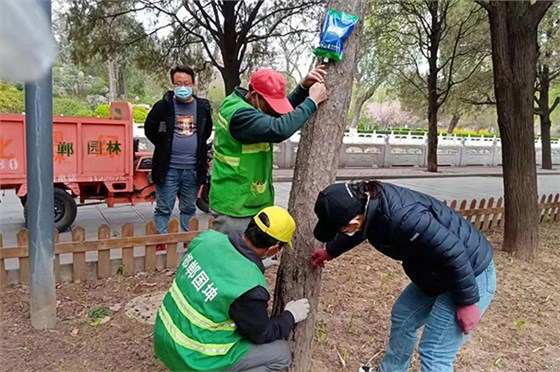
column 179, row 126
column 215, row 317
column 249, row 122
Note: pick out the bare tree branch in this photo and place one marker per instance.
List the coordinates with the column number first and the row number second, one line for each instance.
column 554, row 104
column 488, row 101
column 538, row 9
column 485, row 4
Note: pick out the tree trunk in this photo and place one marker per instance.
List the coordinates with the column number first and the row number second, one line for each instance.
column 316, row 166
column 544, row 115
column 545, row 142
column 230, row 49
column 112, row 80
column 360, row 101
column 122, row 92
column 432, row 88
column 513, row 27
column 453, row 123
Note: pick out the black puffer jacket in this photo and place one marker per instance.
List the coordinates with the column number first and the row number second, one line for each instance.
column 159, row 128
column 440, row 250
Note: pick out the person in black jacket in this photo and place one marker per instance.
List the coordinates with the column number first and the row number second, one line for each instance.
column 179, row 126
column 447, row 259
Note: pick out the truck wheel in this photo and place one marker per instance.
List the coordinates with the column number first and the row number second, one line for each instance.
column 65, row 210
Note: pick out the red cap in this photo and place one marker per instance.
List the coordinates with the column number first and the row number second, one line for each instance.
column 272, row 86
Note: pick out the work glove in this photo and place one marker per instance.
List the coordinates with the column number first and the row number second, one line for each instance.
column 299, row 309
column 468, row 317
column 269, row 261
column 319, row 256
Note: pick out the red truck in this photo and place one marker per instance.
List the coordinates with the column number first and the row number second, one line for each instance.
column 94, row 159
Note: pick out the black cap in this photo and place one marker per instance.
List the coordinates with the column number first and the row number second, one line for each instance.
column 335, row 207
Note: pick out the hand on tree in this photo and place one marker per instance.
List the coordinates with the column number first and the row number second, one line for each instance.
column 317, row 75
column 299, row 309
column 319, row 257
column 468, row 317
column 318, row 93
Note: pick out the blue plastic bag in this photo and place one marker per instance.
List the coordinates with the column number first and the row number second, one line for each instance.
column 338, row 26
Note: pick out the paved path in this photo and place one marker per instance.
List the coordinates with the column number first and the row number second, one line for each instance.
column 450, row 183
column 91, row 216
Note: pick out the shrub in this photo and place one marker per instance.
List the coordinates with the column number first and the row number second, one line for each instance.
column 103, row 111
column 139, row 114
column 11, row 99
column 68, row 106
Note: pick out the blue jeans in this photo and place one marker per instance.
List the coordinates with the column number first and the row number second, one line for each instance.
column 442, row 337
column 180, row 183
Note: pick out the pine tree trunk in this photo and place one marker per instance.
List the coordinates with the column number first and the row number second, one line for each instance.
column 514, row 56
column 316, row 165
column 112, row 80
column 122, row 91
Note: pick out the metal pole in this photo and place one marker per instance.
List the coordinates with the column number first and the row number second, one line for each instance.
column 40, row 195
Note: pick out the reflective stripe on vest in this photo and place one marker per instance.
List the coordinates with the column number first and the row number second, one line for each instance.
column 223, row 122
column 187, row 342
column 230, row 160
column 194, row 316
column 254, row 148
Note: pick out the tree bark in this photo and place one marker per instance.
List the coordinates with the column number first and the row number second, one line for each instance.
column 453, row 123
column 230, row 49
column 316, row 165
column 544, row 112
column 112, row 80
column 122, row 91
column 513, row 28
column 433, row 105
column 545, row 142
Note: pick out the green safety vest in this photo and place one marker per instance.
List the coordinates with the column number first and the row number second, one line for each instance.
column 193, row 330
column 241, row 173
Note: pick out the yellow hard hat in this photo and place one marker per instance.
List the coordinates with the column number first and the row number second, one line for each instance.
column 281, row 224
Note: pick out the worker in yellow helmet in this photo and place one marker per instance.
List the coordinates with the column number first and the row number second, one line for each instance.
column 215, row 315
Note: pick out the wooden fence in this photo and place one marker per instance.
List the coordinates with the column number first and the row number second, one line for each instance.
column 484, row 214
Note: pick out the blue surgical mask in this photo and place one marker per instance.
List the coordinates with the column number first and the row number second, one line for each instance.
column 183, row 93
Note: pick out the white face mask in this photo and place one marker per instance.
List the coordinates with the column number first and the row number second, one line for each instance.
column 352, row 233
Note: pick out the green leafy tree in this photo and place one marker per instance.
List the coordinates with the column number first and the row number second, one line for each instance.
column 443, row 35
column 103, row 31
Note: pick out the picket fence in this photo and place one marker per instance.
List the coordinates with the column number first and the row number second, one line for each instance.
column 484, row 214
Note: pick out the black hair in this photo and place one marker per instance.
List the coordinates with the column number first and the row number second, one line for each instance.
column 363, row 189
column 256, row 236
column 182, row 68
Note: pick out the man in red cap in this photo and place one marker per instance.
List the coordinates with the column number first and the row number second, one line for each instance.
column 249, row 122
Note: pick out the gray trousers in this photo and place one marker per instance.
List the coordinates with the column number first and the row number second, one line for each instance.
column 275, row 356
column 227, row 224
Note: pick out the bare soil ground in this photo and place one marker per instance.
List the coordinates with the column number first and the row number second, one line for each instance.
column 519, row 332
